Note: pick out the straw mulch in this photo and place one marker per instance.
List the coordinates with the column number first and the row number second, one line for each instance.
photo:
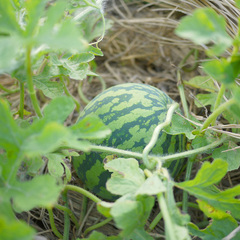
column 140, row 47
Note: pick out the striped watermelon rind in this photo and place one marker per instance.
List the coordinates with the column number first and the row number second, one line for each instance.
column 131, row 111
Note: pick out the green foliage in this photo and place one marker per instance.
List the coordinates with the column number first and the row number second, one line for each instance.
column 206, row 26
column 45, row 44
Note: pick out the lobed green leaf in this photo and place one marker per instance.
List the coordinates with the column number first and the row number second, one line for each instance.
column 205, row 26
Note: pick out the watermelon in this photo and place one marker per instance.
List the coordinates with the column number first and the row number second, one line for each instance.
column 131, row 111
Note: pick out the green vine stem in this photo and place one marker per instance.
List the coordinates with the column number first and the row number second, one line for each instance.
column 8, row 90
column 83, row 209
column 30, row 84
column 52, row 223
column 155, row 135
column 216, row 113
column 83, row 192
column 21, row 104
column 156, row 220
column 176, row 156
column 98, row 225
column 219, row 99
column 66, row 217
column 70, row 213
column 168, row 158
column 187, row 177
column 69, row 94
column 169, row 227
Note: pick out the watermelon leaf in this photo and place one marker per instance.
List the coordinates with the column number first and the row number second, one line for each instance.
column 91, row 127
column 29, row 194
column 9, row 229
column 130, row 214
column 202, row 82
column 203, row 27
column 180, row 126
column 152, row 186
column 228, row 152
column 127, row 176
column 202, row 187
column 217, row 229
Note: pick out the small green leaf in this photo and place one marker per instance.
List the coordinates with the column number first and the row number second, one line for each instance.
column 228, row 152
column 59, row 109
column 55, row 166
column 49, row 139
column 41, row 191
column 130, row 214
column 205, row 99
column 50, row 89
column 202, row 82
column 12, row 230
column 223, row 70
column 180, row 126
column 203, row 27
column 152, row 186
column 95, row 51
column 209, row 174
column 104, row 208
column 218, row 229
column 201, row 188
column 90, row 127
column 10, row 133
column 127, row 177
column 33, row 165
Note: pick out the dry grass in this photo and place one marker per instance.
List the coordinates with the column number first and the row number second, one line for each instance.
column 140, row 47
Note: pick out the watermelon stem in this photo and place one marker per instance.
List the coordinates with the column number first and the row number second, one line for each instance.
column 216, row 113
column 169, row 226
column 155, row 135
column 83, row 192
column 185, row 154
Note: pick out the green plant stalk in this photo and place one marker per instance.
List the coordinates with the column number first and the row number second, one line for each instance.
column 190, row 204
column 6, row 90
column 71, row 215
column 183, row 100
column 98, row 225
column 8, row 93
column 168, row 158
column 187, row 177
column 216, row 113
column 156, row 220
column 176, row 156
column 66, row 217
column 52, row 223
column 83, row 192
column 81, row 94
column 30, row 84
column 83, row 209
column 21, row 104
column 219, row 96
column 155, row 135
column 90, row 4
column 41, row 67
column 169, row 226
column 69, row 94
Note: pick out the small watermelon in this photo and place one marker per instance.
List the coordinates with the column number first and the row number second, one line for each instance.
column 131, row 111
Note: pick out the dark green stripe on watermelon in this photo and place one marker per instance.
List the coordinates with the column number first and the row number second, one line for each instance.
column 132, row 111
